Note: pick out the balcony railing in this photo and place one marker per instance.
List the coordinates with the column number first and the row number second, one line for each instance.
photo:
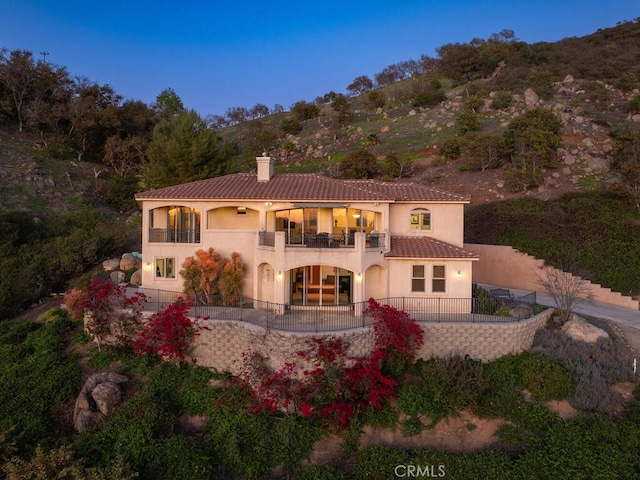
column 340, row 317
column 321, row 240
column 167, row 235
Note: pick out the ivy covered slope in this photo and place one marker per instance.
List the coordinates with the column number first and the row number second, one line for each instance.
column 321, row 416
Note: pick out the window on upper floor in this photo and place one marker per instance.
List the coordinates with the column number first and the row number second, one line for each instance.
column 438, row 279
column 420, row 219
column 417, row 278
column 165, row 267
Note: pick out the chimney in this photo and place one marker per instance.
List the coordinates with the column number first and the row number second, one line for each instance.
column 265, row 168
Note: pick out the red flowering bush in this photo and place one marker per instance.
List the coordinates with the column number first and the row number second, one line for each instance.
column 110, row 311
column 168, row 333
column 397, row 335
column 328, row 384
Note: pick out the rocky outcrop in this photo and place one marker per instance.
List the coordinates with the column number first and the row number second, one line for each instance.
column 99, row 396
column 579, row 329
column 129, row 261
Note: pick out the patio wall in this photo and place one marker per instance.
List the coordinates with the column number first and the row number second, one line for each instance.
column 505, row 266
column 224, row 345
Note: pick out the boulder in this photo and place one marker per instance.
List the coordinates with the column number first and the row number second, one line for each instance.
column 531, row 98
column 106, row 395
column 136, row 278
column 521, row 312
column 98, row 397
column 117, row 277
column 129, row 261
column 579, row 329
column 111, row 264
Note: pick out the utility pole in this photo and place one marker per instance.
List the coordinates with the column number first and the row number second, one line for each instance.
column 44, row 56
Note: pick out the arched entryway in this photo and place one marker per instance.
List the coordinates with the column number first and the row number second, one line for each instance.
column 322, row 285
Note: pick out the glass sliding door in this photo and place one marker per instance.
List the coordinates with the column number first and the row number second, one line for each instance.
column 320, row 285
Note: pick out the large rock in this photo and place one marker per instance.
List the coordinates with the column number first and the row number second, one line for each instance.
column 97, row 399
column 129, row 261
column 117, row 277
column 106, row 395
column 136, row 278
column 531, row 98
column 579, row 329
column 111, row 264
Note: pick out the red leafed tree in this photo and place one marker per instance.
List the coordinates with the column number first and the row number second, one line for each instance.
column 107, row 310
column 207, row 274
column 168, row 333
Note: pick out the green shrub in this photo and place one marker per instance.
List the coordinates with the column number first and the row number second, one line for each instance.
column 385, row 417
column 291, row 126
column 634, row 104
column 451, row 148
column 412, row 426
column 36, row 379
column 467, row 121
column 502, row 100
column 626, row 82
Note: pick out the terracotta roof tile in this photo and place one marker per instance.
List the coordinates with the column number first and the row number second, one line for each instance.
column 426, row 247
column 299, row 186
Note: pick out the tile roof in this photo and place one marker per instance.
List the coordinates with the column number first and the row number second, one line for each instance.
column 426, row 247
column 297, row 187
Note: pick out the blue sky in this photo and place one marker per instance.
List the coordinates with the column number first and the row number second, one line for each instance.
column 218, row 55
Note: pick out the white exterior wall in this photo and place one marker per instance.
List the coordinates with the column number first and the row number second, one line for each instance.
column 400, row 276
column 374, row 275
column 447, row 221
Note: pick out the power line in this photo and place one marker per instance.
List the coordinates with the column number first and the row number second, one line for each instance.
column 44, row 56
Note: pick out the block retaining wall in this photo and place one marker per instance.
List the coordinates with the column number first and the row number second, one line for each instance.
column 223, row 346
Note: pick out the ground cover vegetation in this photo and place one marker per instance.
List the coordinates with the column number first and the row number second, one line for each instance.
column 265, row 424
column 95, row 150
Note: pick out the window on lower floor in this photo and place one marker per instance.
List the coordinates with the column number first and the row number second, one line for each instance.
column 417, row 278
column 165, row 267
column 438, row 281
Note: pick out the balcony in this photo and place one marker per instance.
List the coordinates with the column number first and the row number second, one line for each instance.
column 167, row 235
column 322, row 240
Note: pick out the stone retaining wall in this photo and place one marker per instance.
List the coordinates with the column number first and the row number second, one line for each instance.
column 224, row 345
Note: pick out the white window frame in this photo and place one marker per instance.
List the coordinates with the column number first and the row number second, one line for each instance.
column 165, row 267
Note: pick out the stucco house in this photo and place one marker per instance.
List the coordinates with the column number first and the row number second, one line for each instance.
column 310, row 240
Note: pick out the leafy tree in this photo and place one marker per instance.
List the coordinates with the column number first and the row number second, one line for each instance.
column 18, row 74
column 360, row 164
column 396, row 167
column 168, row 103
column 627, row 162
column 259, row 110
column 532, row 140
column 634, row 104
column 207, row 274
column 125, row 156
column 237, row 115
column 485, row 150
column 304, row 110
column 107, row 311
column 360, row 85
column 342, row 106
column 290, row 126
column 376, row 99
column 183, row 149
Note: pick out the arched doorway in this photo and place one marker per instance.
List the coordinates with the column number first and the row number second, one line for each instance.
column 320, row 285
